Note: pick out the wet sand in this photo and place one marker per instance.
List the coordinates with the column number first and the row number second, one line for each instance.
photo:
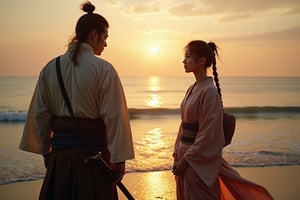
column 281, row 181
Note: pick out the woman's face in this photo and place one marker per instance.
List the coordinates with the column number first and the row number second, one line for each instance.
column 99, row 42
column 189, row 62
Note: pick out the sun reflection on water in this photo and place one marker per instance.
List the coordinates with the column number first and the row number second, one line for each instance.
column 153, row 151
column 154, row 100
column 153, row 83
column 160, row 183
column 153, row 140
column 154, row 185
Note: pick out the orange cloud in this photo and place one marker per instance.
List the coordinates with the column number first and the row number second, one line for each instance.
column 143, row 8
column 232, row 8
column 291, row 33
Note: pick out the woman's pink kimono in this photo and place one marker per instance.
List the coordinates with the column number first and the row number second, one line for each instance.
column 208, row 175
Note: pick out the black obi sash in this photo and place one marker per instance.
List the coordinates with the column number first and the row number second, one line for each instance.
column 189, row 132
column 71, row 132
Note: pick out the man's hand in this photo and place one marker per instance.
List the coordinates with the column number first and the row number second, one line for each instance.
column 46, row 159
column 119, row 170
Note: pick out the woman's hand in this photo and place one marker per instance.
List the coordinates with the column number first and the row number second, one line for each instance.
column 174, row 165
column 179, row 167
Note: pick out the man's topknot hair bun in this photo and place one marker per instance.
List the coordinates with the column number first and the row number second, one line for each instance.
column 88, row 7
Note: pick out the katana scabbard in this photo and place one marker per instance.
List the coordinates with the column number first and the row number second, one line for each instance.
column 111, row 174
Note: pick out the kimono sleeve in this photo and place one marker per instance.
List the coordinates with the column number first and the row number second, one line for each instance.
column 205, row 155
column 36, row 133
column 114, row 111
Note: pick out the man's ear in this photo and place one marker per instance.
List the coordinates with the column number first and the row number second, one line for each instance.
column 94, row 35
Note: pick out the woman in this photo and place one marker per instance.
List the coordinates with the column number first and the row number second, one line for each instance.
column 97, row 119
column 199, row 169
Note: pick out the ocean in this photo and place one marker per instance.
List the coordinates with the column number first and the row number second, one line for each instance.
column 267, row 132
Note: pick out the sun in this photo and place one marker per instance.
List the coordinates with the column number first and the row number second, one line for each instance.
column 153, row 50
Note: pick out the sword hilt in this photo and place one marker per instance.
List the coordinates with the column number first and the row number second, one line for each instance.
column 93, row 157
column 97, row 157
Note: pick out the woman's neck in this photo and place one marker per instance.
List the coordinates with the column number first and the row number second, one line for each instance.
column 200, row 77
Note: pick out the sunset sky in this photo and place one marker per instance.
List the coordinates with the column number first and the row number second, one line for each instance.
column 256, row 38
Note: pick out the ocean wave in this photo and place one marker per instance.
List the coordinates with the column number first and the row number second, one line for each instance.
column 235, row 159
column 250, row 111
column 263, row 109
column 13, row 116
column 261, row 158
column 21, row 179
column 135, row 113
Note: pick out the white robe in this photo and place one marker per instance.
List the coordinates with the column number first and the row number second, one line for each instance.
column 94, row 90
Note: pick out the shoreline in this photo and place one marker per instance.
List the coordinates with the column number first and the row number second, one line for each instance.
column 281, row 181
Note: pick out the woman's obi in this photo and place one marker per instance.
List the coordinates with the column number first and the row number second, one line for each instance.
column 189, row 132
column 71, row 132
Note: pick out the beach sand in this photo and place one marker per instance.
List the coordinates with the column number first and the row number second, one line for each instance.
column 281, row 181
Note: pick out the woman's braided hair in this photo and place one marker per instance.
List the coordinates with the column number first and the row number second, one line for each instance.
column 199, row 48
column 85, row 24
column 214, row 49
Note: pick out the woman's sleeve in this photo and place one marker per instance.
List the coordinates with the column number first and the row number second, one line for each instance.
column 177, row 141
column 206, row 152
